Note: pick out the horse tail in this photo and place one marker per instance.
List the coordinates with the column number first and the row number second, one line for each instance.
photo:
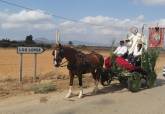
column 100, row 59
column 100, row 66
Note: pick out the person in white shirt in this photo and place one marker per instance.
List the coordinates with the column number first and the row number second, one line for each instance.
column 121, row 50
column 138, row 50
column 137, row 55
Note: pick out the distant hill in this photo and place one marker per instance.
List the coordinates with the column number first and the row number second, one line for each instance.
column 41, row 42
column 76, row 42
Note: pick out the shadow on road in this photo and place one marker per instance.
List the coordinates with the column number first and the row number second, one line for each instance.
column 160, row 82
column 117, row 87
column 109, row 89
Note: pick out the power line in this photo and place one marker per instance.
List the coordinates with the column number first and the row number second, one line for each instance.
column 54, row 15
column 16, row 5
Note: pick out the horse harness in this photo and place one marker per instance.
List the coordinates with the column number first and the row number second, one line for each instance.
column 81, row 62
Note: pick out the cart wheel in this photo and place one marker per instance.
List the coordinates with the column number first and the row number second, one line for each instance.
column 106, row 83
column 134, row 84
column 143, row 83
column 105, row 78
column 123, row 81
column 109, row 81
column 151, row 80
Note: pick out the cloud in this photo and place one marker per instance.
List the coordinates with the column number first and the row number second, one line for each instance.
column 161, row 22
column 105, row 29
column 36, row 19
column 102, row 25
column 150, row 2
column 100, row 29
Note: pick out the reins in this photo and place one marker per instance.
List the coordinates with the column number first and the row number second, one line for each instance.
column 61, row 65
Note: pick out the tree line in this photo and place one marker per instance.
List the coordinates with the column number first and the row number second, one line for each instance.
column 27, row 42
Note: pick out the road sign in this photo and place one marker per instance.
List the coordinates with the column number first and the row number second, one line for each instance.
column 29, row 50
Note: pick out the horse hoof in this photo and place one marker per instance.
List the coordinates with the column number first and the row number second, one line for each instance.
column 69, row 95
column 95, row 91
column 80, row 96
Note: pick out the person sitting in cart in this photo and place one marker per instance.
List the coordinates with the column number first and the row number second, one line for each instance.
column 121, row 50
column 137, row 53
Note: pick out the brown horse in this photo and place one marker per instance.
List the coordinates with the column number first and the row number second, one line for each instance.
column 78, row 64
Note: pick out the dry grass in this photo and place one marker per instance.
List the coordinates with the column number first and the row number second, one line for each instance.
column 9, row 64
column 43, row 87
column 160, row 63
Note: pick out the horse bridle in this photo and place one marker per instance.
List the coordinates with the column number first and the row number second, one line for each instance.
column 61, row 56
column 62, row 64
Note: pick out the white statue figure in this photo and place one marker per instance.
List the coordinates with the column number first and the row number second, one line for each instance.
column 133, row 39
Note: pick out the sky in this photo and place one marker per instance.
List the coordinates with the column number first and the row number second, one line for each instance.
column 95, row 21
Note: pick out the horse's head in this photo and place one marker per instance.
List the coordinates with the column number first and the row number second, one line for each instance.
column 58, row 54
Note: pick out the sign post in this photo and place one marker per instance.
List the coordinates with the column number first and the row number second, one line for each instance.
column 29, row 50
column 21, row 64
column 35, row 67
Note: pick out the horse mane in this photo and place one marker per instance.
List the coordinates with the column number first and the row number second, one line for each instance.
column 74, row 55
column 73, row 50
column 68, row 48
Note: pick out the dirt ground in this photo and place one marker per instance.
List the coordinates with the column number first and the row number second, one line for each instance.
column 9, row 72
column 114, row 99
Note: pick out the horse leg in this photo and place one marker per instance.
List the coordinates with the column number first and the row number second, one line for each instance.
column 96, row 86
column 96, row 81
column 70, row 85
column 80, row 84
